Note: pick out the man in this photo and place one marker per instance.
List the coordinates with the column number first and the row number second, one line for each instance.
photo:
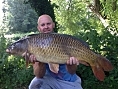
column 66, row 77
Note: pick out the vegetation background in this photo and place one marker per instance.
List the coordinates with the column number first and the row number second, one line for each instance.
column 94, row 21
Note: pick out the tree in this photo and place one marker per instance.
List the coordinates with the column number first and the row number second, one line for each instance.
column 43, row 7
column 21, row 17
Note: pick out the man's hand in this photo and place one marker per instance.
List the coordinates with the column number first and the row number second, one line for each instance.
column 72, row 65
column 32, row 58
column 72, row 61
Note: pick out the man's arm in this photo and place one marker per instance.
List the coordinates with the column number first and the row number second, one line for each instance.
column 72, row 65
column 39, row 68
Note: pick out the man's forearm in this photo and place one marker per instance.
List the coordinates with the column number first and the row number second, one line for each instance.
column 39, row 69
column 72, row 68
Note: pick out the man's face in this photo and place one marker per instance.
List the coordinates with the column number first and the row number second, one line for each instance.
column 45, row 25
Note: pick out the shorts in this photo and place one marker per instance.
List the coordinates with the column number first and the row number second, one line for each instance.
column 49, row 82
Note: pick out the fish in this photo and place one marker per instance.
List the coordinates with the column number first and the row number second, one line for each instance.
column 55, row 48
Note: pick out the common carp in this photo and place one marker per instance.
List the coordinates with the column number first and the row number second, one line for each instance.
column 58, row 48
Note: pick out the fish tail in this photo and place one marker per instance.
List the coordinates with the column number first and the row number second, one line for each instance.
column 101, row 65
column 98, row 72
column 105, row 63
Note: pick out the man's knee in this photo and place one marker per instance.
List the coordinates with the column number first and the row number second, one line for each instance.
column 35, row 83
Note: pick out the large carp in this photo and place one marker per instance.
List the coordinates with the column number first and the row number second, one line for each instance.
column 58, row 48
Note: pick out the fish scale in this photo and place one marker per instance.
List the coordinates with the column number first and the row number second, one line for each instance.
column 58, row 48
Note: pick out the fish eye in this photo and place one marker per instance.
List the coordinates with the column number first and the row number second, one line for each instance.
column 12, row 47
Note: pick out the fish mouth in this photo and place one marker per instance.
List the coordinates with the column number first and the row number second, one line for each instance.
column 7, row 50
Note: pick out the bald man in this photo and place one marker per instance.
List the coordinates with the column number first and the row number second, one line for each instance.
column 65, row 78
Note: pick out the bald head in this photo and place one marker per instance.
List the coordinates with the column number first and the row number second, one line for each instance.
column 44, row 17
column 45, row 24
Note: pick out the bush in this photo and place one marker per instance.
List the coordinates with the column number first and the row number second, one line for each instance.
column 13, row 71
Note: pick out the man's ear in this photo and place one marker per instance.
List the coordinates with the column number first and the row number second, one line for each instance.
column 53, row 25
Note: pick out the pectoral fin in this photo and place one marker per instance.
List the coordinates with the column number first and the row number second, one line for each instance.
column 83, row 62
column 54, row 67
column 26, row 56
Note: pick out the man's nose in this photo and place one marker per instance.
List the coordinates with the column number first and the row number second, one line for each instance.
column 46, row 26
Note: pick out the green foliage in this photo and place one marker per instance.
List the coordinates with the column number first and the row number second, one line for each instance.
column 106, row 45
column 21, row 18
column 75, row 18
column 43, row 7
column 13, row 72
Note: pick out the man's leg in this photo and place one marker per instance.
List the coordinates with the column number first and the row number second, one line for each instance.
column 39, row 71
column 44, row 83
column 35, row 83
column 70, row 85
column 52, row 83
column 49, row 82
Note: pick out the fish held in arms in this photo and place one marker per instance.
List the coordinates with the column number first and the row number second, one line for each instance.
column 58, row 48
